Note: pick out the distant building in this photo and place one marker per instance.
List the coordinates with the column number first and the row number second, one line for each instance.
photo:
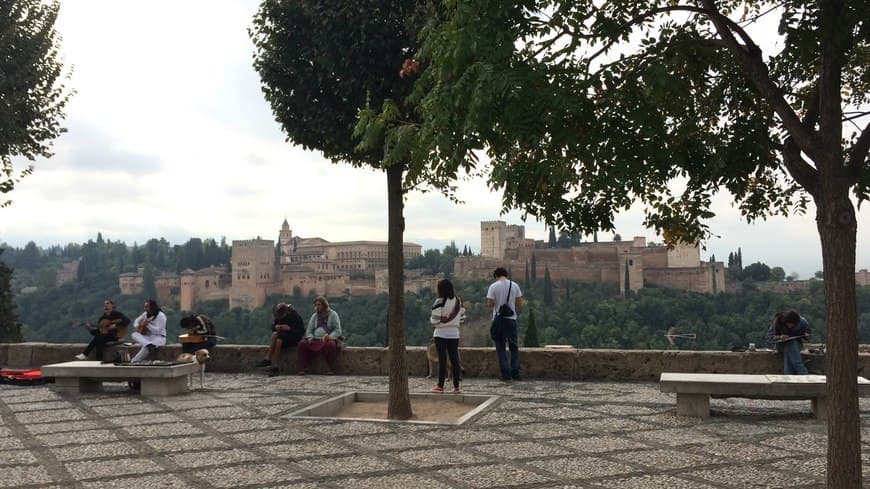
column 68, row 273
column 621, row 262
column 306, row 265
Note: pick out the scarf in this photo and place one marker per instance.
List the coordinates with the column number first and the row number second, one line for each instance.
column 323, row 321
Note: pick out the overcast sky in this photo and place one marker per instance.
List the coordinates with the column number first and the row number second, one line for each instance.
column 169, row 136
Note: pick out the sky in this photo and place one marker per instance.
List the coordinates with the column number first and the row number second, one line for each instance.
column 169, row 136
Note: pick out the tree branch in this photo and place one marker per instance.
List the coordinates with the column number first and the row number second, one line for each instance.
column 755, row 68
column 805, row 175
column 859, row 153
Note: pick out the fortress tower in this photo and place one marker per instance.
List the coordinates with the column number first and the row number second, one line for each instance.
column 493, row 239
column 254, row 271
column 285, row 238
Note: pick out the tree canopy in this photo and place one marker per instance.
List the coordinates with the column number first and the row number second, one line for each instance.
column 584, row 107
column 32, row 99
column 320, row 64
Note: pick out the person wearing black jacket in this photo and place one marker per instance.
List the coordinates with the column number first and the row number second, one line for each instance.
column 110, row 324
column 287, row 330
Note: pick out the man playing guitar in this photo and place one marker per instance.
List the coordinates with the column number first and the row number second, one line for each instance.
column 112, row 325
column 150, row 330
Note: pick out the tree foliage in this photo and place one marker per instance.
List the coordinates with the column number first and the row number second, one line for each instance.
column 32, row 98
column 320, row 64
column 10, row 329
column 585, row 107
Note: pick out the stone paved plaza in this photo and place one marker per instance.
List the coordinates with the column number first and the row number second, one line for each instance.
column 542, row 434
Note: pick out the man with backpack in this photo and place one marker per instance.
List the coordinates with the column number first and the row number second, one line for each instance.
column 504, row 297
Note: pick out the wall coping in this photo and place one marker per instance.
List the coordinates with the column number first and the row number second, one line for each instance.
column 539, row 363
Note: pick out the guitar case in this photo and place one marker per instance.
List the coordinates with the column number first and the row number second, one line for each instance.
column 24, row 377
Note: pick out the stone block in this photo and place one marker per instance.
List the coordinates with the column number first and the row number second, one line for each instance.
column 19, row 355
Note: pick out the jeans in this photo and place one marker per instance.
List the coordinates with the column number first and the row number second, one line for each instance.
column 506, row 333
column 793, row 364
column 448, row 347
column 98, row 343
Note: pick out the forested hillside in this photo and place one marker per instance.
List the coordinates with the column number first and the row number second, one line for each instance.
column 585, row 315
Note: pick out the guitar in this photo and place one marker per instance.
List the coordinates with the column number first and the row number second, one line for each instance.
column 142, row 326
column 105, row 326
column 196, row 338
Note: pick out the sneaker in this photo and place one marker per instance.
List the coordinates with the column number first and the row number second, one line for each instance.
column 456, row 390
column 81, row 356
column 438, row 389
column 273, row 372
column 515, row 377
column 263, row 363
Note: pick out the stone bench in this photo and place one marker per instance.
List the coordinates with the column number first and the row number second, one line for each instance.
column 694, row 390
column 86, row 376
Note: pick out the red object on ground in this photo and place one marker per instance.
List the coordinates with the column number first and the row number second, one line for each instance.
column 30, row 376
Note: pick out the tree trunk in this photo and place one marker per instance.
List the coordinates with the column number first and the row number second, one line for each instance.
column 399, row 406
column 835, row 218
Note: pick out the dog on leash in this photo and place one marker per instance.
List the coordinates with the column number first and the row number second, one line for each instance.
column 201, row 357
column 432, row 361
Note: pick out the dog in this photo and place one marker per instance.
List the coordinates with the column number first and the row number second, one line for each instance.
column 201, row 357
column 432, row 361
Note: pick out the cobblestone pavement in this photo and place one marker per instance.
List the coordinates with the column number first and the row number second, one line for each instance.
column 541, row 434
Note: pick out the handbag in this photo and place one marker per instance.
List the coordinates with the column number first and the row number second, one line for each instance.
column 505, row 310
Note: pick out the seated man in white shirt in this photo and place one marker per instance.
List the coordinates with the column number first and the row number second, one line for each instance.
column 150, row 330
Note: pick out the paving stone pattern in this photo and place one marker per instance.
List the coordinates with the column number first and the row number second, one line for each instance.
column 237, row 433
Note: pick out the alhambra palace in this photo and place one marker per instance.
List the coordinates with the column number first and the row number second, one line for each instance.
column 357, row 268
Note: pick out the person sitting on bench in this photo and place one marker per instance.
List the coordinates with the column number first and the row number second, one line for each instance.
column 150, row 330
column 110, row 323
column 787, row 331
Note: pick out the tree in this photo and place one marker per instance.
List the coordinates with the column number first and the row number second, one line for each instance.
column 32, row 100
column 548, row 287
column 530, row 339
column 320, row 63
column 585, row 107
column 777, row 274
column 10, row 329
column 552, row 240
column 149, row 287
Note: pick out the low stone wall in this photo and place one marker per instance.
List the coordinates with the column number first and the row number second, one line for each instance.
column 478, row 362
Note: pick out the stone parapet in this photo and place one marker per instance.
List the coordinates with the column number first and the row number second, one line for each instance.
column 539, row 363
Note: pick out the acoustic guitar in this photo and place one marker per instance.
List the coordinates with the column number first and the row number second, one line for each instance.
column 105, row 326
column 196, row 338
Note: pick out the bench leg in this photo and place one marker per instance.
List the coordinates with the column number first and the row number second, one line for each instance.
column 75, row 385
column 696, row 405
column 820, row 408
column 164, row 387
column 66, row 384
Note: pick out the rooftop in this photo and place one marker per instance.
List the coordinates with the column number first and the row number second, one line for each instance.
column 541, row 434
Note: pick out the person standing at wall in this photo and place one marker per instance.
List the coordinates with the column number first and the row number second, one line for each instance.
column 446, row 317
column 504, row 297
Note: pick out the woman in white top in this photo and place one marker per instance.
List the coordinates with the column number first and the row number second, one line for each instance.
column 447, row 315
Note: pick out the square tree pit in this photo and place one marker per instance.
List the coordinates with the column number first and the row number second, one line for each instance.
column 449, row 409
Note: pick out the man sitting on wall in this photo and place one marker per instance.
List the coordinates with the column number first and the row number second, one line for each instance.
column 287, row 330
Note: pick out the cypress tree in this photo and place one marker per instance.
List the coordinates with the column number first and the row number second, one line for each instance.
column 534, row 270
column 530, row 340
column 10, row 328
column 548, row 287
